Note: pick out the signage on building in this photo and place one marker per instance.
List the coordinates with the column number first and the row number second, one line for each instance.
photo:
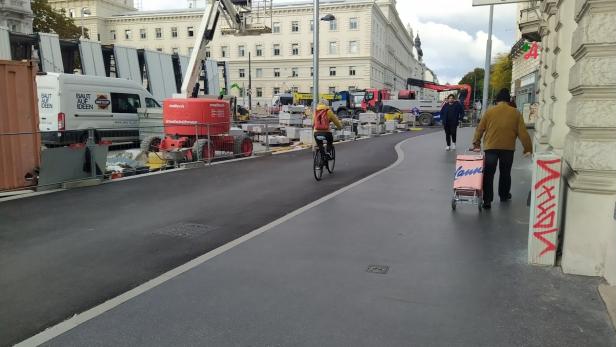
column 496, row 2
column 531, row 49
column 545, row 211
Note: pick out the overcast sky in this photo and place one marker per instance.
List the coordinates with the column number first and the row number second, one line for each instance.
column 453, row 32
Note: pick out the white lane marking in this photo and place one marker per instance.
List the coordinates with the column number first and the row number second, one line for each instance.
column 78, row 319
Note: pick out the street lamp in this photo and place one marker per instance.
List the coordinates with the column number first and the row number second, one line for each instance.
column 84, row 11
column 315, row 55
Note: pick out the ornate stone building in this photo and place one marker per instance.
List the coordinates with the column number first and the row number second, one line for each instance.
column 16, row 15
column 577, row 94
column 366, row 46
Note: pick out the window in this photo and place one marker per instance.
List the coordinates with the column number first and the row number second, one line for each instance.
column 208, row 52
column 276, row 90
column 295, row 89
column 259, row 50
column 294, row 72
column 354, row 23
column 332, row 71
column 113, row 34
column 311, row 71
column 259, row 92
column 149, row 102
column 352, row 71
column 159, row 49
column 175, row 50
column 125, row 103
column 174, row 32
column 159, row 33
column 312, row 25
column 259, row 72
column 71, row 13
column 223, row 51
column 241, row 51
column 295, row 26
column 128, row 34
column 242, row 73
column 143, row 34
column 276, row 72
column 333, row 25
column 332, row 90
column 191, row 31
column 333, row 48
column 353, row 47
column 311, row 48
column 98, row 36
column 276, row 28
column 295, row 49
column 276, row 50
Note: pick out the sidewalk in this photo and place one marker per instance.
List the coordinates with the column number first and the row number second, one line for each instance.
column 455, row 278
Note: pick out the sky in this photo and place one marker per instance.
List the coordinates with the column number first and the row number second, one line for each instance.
column 453, row 32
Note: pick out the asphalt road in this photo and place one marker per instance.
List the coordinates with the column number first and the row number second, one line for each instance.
column 63, row 253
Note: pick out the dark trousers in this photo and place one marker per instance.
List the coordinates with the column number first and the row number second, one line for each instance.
column 330, row 141
column 451, row 134
column 504, row 160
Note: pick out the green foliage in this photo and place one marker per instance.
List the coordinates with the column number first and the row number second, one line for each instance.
column 47, row 20
column 501, row 73
column 475, row 79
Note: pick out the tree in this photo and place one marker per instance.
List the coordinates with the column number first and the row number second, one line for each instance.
column 48, row 20
column 501, row 73
column 475, row 79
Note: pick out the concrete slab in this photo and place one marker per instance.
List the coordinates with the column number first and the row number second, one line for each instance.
column 454, row 277
column 608, row 294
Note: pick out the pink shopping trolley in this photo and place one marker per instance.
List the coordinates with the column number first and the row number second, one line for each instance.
column 468, row 181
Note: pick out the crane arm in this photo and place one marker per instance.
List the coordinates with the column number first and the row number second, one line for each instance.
column 213, row 10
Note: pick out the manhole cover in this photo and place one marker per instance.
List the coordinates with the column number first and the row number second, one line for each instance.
column 186, row 230
column 378, row 269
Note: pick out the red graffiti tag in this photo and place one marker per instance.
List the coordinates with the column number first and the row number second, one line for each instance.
column 546, row 216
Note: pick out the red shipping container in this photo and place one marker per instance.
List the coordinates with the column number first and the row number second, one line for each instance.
column 20, row 141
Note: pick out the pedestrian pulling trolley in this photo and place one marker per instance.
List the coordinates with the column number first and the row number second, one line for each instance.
column 468, row 181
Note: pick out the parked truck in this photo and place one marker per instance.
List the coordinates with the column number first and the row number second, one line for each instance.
column 347, row 104
column 373, row 96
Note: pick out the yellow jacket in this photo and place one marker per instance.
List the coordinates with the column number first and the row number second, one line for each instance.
column 332, row 118
column 500, row 127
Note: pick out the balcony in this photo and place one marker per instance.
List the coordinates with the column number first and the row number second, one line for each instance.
column 16, row 6
column 529, row 23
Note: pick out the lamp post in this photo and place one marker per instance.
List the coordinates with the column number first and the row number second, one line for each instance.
column 84, row 11
column 315, row 56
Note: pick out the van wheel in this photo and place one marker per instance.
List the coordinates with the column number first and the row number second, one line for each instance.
column 150, row 144
column 425, row 119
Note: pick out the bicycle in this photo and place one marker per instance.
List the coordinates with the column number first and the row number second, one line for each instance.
column 320, row 161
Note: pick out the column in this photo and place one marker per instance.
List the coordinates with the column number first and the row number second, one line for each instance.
column 589, row 246
column 564, row 27
column 546, row 85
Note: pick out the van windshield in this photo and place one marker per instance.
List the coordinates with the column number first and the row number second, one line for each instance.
column 151, row 103
column 369, row 96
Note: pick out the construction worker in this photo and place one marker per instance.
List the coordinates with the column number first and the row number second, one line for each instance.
column 321, row 120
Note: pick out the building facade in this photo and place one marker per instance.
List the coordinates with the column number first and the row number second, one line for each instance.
column 16, row 15
column 367, row 46
column 577, row 97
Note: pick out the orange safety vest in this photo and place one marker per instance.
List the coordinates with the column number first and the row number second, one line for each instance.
column 321, row 120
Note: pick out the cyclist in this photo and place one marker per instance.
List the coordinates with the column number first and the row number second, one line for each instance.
column 323, row 116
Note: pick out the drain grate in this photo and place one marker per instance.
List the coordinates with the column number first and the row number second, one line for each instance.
column 378, row 269
column 185, row 230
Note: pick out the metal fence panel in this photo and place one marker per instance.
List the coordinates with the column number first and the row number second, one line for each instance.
column 5, row 44
column 127, row 63
column 160, row 74
column 92, row 58
column 211, row 70
column 50, row 54
column 184, row 65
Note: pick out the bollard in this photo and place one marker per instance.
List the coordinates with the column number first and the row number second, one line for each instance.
column 209, row 143
column 267, row 144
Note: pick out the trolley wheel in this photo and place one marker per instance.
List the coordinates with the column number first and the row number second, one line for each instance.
column 150, row 144
column 453, row 204
column 242, row 146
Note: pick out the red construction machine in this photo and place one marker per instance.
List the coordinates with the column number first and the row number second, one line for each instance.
column 198, row 126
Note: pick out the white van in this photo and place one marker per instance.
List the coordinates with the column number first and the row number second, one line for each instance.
column 71, row 104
